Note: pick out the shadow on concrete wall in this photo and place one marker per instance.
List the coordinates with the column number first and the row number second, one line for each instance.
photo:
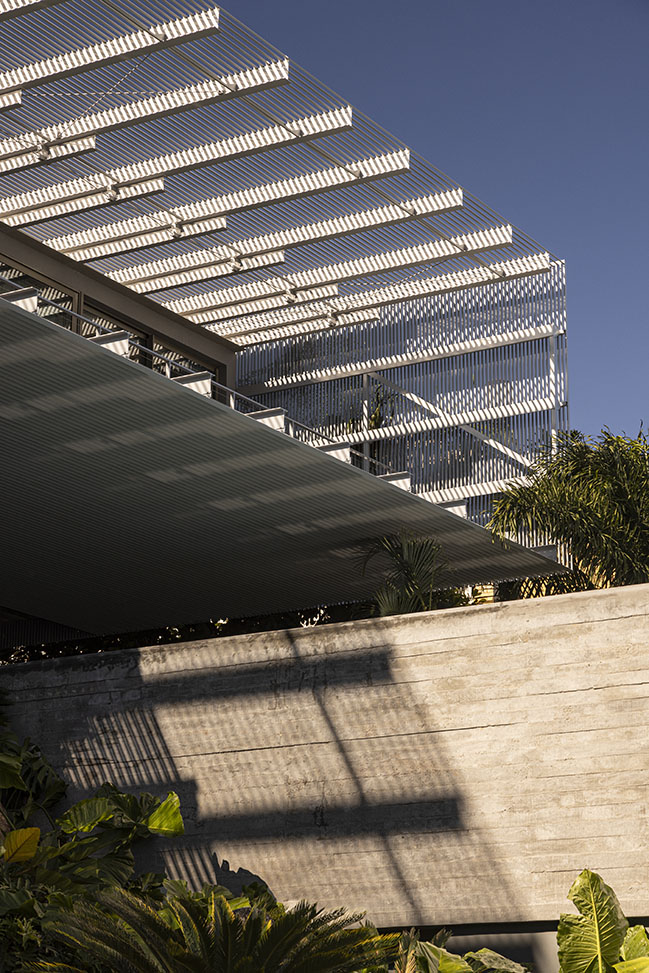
column 127, row 744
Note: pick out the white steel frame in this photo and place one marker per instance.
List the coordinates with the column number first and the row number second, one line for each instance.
column 151, row 38
column 189, row 267
column 79, row 134
column 227, row 301
column 126, row 235
column 290, row 177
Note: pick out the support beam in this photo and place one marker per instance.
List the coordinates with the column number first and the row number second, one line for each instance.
column 193, row 218
column 27, row 208
column 466, row 491
column 17, row 210
column 110, row 51
column 402, row 480
column 345, row 309
column 115, row 341
column 162, row 228
column 74, row 135
column 198, row 382
column 33, row 154
column 187, row 268
column 25, row 297
column 254, row 306
column 254, row 263
column 273, row 418
column 119, row 304
column 13, row 99
column 16, row 8
column 290, row 330
column 216, row 303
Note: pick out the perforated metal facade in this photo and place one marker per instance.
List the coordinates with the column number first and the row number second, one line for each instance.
column 486, row 373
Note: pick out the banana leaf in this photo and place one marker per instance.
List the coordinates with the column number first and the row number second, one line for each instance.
column 166, row 819
column 21, row 845
column 638, row 965
column 591, row 942
column 636, row 943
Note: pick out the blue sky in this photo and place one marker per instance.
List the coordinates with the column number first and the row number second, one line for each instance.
column 542, row 110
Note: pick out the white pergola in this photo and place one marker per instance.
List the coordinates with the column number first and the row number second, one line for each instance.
column 183, row 156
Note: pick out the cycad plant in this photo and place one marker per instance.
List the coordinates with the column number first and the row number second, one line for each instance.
column 591, row 495
column 212, row 932
column 411, row 581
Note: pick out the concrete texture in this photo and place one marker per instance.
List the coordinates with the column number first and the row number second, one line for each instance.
column 456, row 767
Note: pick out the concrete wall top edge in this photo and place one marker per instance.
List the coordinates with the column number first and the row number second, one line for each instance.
column 397, row 631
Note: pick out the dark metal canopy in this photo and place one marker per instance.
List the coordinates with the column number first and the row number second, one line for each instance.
column 131, row 502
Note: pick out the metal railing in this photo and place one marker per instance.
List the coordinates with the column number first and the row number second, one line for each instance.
column 178, row 367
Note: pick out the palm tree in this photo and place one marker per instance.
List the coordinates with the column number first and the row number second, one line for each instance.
column 411, row 583
column 213, row 934
column 591, row 495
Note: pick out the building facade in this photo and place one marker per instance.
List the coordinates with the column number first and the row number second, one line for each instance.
column 462, row 390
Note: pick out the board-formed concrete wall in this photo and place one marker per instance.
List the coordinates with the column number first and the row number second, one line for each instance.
column 455, row 767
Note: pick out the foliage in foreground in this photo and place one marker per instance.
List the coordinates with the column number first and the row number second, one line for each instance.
column 599, row 940
column 87, row 849
column 208, row 933
column 70, row 901
column 591, row 495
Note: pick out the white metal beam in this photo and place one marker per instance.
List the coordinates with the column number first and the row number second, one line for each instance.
column 434, row 410
column 193, row 218
column 188, row 268
column 449, row 420
column 77, row 134
column 12, row 99
column 252, row 306
column 34, row 155
column 216, row 302
column 465, row 491
column 16, row 8
column 442, row 350
column 344, row 309
column 290, row 330
column 109, row 51
column 156, row 228
column 18, row 208
column 28, row 208
column 254, row 263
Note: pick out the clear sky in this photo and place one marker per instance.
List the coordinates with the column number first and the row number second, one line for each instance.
column 539, row 108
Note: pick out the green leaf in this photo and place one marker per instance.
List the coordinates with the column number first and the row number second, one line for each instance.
column 636, row 943
column 10, row 773
column 435, row 959
column 86, row 815
column 15, row 900
column 638, row 965
column 591, row 942
column 166, row 819
column 486, row 959
column 21, row 845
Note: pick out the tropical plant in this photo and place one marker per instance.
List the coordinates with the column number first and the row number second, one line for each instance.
column 599, row 940
column 432, row 957
column 411, row 582
column 591, row 495
column 88, row 848
column 214, row 933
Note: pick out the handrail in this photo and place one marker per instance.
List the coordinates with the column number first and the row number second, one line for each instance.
column 233, row 395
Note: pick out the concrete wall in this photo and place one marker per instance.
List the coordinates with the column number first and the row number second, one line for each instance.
column 457, row 767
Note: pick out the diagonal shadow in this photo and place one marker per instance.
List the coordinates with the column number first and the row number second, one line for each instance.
column 277, row 763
